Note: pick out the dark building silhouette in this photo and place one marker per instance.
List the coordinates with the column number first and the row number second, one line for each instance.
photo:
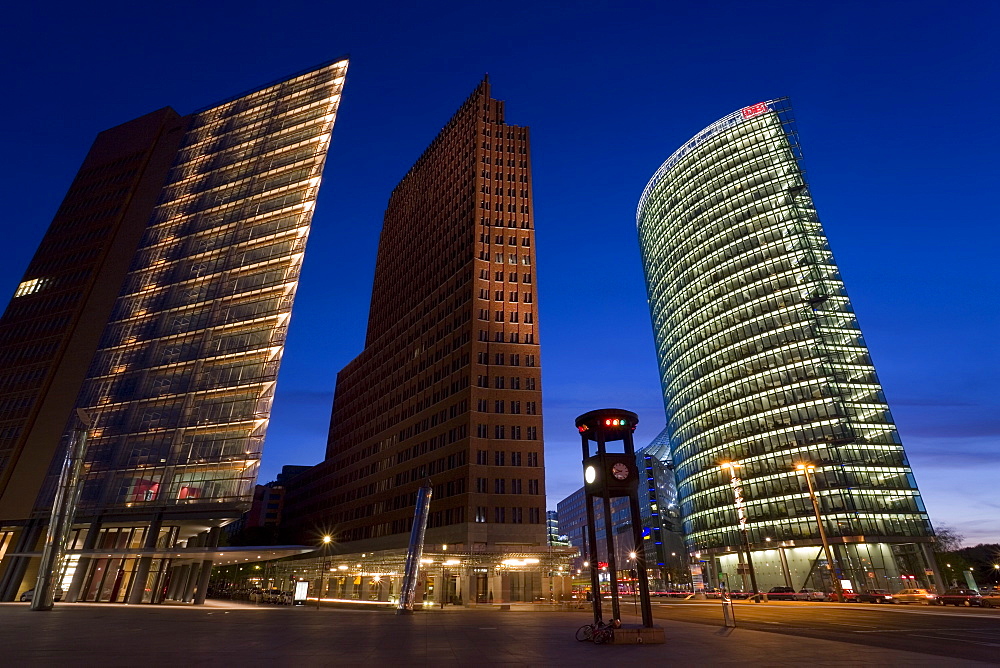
column 158, row 302
column 448, row 386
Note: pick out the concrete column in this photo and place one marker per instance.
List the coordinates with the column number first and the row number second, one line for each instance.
column 930, row 563
column 784, row 567
column 205, row 576
column 383, row 588
column 83, row 565
column 141, row 576
column 79, row 578
column 493, row 591
column 460, row 586
column 160, row 583
column 211, row 541
column 172, row 582
column 187, row 594
column 178, row 581
column 503, row 596
column 566, row 588
column 439, row 588
column 139, row 580
column 365, row 588
column 175, row 572
column 469, row 597
column 418, row 592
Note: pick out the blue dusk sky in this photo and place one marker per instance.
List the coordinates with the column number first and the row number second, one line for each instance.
column 896, row 105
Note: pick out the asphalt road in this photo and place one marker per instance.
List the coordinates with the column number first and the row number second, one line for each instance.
column 222, row 634
column 968, row 633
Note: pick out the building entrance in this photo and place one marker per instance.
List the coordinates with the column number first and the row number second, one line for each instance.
column 482, row 588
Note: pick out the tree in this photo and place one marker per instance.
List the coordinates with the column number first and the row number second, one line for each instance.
column 952, row 566
column 950, row 563
column 985, row 558
column 948, row 539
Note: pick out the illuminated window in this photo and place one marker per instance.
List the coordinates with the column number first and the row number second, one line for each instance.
column 30, row 286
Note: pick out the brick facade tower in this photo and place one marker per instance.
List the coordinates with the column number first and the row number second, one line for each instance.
column 448, row 386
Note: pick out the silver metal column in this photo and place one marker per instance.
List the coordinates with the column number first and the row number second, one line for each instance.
column 415, row 551
column 61, row 519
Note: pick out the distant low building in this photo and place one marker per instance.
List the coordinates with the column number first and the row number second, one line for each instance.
column 662, row 542
column 261, row 525
column 552, row 523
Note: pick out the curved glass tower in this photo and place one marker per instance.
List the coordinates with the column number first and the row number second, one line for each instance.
column 763, row 366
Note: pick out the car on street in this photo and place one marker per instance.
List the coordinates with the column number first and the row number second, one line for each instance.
column 960, row 596
column 875, row 596
column 915, row 596
column 807, row 594
column 990, row 599
column 781, row 594
column 850, row 596
column 30, row 594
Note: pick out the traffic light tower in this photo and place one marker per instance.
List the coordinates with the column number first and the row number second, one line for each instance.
column 609, row 474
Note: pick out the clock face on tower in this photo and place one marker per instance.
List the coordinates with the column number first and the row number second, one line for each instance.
column 619, row 471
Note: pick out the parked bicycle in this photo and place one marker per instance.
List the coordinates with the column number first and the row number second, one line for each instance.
column 598, row 633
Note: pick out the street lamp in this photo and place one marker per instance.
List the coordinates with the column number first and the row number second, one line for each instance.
column 806, row 470
column 741, row 515
column 633, row 576
column 323, row 567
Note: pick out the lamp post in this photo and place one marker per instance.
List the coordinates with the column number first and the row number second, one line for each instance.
column 632, row 573
column 741, row 515
column 806, row 470
column 323, row 567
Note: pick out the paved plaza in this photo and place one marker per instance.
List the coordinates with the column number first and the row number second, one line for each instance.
column 226, row 634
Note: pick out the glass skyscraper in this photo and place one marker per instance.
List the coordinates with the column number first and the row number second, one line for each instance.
column 170, row 269
column 763, row 366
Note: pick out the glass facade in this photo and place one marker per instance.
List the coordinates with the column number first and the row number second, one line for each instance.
column 180, row 389
column 660, row 513
column 761, row 358
column 162, row 293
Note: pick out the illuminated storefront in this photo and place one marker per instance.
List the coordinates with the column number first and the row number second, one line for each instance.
column 447, row 576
